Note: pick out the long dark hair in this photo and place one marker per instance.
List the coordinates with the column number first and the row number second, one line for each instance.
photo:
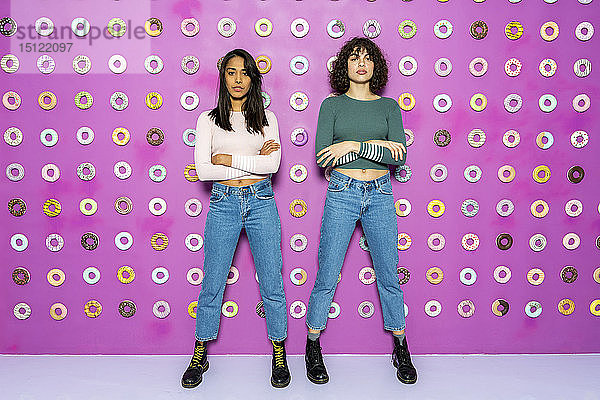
column 253, row 108
column 338, row 77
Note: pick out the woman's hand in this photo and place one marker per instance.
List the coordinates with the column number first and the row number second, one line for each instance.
column 221, row 159
column 394, row 147
column 268, row 147
column 336, row 151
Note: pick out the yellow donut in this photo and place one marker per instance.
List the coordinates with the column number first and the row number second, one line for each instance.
column 404, row 235
column 84, row 210
column 52, row 103
column 438, row 213
column 433, row 270
column 263, row 21
column 568, row 311
column 56, row 205
column 54, row 314
column 127, row 269
column 298, row 202
column 61, row 277
column 92, row 303
column 148, row 26
column 545, row 36
column 126, row 136
column 226, row 305
column 510, row 34
column 536, row 172
column 151, row 96
column 540, row 278
column 186, row 173
column 542, row 213
column 593, row 307
column 191, row 306
column 403, row 105
column 483, row 104
column 155, row 237
column 267, row 61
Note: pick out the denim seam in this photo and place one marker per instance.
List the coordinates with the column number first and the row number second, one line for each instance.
column 387, row 328
column 205, row 340
column 313, row 328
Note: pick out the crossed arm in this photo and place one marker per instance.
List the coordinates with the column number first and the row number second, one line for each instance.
column 231, row 166
column 390, row 151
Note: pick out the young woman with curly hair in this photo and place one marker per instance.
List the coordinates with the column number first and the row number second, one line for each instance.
column 359, row 134
column 238, row 147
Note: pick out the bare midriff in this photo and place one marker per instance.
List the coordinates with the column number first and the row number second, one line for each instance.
column 362, row 174
column 240, row 182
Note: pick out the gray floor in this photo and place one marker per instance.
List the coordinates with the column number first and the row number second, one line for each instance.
column 504, row 377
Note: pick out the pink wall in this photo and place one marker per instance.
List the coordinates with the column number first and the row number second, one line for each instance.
column 246, row 333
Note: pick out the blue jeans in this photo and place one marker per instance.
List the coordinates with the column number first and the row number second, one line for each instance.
column 372, row 202
column 232, row 208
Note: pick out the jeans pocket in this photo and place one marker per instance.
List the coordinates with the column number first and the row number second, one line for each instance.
column 385, row 188
column 337, row 186
column 216, row 196
column 265, row 193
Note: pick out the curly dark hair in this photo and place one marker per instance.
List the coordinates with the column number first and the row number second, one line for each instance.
column 338, row 77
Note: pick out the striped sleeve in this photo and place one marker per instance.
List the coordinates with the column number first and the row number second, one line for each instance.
column 371, row 151
column 346, row 159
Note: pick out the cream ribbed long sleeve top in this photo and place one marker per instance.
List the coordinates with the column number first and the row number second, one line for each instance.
column 244, row 147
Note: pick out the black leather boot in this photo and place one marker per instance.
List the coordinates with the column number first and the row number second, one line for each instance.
column 198, row 365
column 315, row 368
column 401, row 358
column 280, row 373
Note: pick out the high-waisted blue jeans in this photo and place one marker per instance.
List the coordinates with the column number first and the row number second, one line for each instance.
column 232, row 208
column 372, row 202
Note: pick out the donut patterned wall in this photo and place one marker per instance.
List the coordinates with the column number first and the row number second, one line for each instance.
column 498, row 203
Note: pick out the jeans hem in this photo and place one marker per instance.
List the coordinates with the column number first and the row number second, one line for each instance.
column 277, row 339
column 314, row 329
column 206, row 339
column 387, row 328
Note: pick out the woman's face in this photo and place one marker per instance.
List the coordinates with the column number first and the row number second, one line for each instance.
column 237, row 81
column 360, row 66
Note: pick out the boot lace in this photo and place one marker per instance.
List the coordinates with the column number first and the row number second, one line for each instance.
column 314, row 354
column 278, row 355
column 198, row 353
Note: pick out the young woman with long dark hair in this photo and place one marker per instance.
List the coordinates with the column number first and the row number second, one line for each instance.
column 359, row 133
column 238, row 147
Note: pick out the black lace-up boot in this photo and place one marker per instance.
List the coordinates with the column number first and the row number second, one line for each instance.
column 280, row 374
column 315, row 368
column 401, row 358
column 198, row 365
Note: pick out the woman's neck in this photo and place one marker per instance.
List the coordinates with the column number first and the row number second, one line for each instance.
column 360, row 91
column 236, row 104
